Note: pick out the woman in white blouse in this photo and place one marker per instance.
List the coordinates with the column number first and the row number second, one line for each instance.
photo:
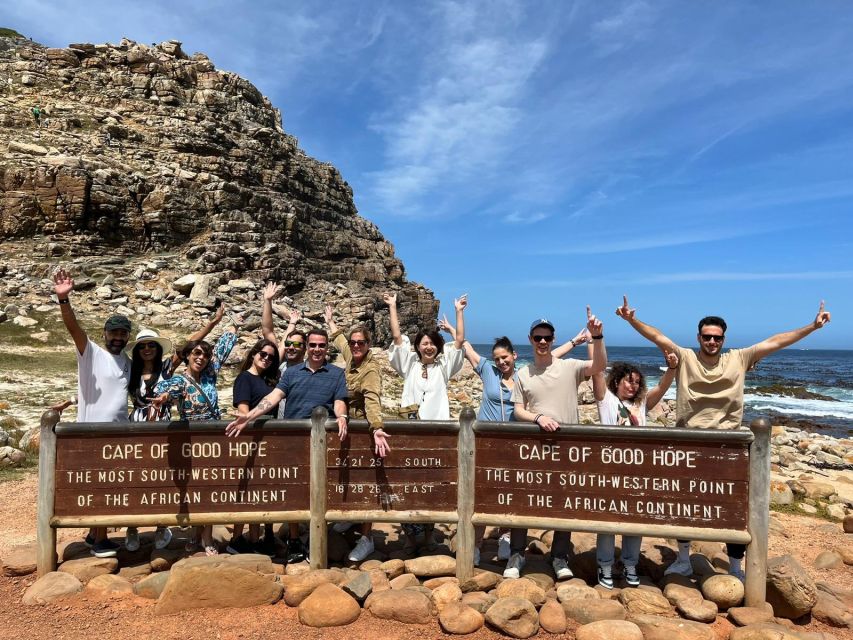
column 426, row 369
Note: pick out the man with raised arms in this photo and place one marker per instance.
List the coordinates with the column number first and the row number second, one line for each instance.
column 547, row 394
column 709, row 392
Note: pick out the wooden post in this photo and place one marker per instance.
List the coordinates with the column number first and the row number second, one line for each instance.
column 759, row 514
column 46, row 534
column 465, row 496
column 318, row 549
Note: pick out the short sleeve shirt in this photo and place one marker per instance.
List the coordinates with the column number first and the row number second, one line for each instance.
column 251, row 389
column 102, row 380
column 496, row 404
column 711, row 397
column 306, row 389
column 611, row 410
column 551, row 390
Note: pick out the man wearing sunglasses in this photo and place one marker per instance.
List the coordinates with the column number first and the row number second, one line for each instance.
column 546, row 394
column 709, row 392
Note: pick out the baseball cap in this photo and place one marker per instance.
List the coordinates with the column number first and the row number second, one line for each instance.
column 117, row 322
column 541, row 322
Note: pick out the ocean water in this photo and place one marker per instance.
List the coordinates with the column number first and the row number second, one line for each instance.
column 827, row 372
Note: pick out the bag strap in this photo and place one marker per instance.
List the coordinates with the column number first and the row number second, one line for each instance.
column 201, row 391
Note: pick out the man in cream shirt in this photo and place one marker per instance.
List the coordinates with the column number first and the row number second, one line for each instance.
column 710, row 383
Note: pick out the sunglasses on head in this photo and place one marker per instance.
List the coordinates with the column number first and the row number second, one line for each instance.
column 357, row 343
column 317, row 345
column 542, row 338
column 265, row 355
column 707, row 338
column 293, row 343
column 147, row 345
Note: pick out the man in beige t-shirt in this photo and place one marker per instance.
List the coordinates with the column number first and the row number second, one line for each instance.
column 710, row 383
column 547, row 393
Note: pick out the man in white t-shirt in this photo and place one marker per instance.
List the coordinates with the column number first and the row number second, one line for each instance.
column 102, row 378
column 547, row 394
column 709, row 394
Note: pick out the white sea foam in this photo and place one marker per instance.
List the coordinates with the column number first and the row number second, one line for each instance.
column 796, row 406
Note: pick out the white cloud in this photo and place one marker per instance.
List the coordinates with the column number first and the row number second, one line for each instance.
column 517, row 217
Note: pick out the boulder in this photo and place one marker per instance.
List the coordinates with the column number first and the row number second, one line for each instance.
column 780, row 493
column 84, row 569
column 828, row 560
column 585, row 610
column 217, row 587
column 698, row 610
column 299, row 587
column 431, row 566
column 745, row 616
column 521, row 588
column 479, row 600
column 135, row 571
column 393, row 568
column 790, row 590
column 459, row 619
column 816, row 490
column 20, row 560
column 660, row 628
column 328, row 606
column 642, row 601
column 358, row 586
column 830, row 610
column 609, row 630
column 677, row 592
column 411, row 607
column 50, row 587
column 379, row 581
column 405, row 581
column 152, row 586
column 481, row 581
column 435, row 583
column 514, row 617
column 446, row 594
column 846, row 554
column 185, row 284
column 764, row 631
column 552, row 617
column 110, row 585
column 11, row 457
column 575, row 589
column 723, row 590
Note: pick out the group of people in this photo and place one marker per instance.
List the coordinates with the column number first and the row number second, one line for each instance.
column 289, row 377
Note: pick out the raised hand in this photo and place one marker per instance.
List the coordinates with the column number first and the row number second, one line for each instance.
column 625, row 312
column 63, row 284
column 822, row 316
column 329, row 314
column 390, row 298
column 582, row 337
column 444, row 325
column 220, row 313
column 270, row 291
column 461, row 302
column 593, row 324
column 671, row 359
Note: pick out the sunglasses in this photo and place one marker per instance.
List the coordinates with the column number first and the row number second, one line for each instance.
column 265, row 355
column 707, row 338
column 357, row 343
column 147, row 345
column 293, row 343
column 318, row 345
column 198, row 352
column 542, row 338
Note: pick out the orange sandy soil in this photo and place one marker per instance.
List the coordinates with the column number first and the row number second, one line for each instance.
column 90, row 617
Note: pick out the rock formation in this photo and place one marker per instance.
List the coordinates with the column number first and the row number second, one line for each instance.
column 145, row 149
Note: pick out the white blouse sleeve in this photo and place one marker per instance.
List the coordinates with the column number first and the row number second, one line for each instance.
column 401, row 357
column 453, row 360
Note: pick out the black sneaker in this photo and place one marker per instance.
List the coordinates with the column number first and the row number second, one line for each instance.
column 106, row 548
column 240, row 545
column 89, row 540
column 605, row 577
column 265, row 547
column 296, row 551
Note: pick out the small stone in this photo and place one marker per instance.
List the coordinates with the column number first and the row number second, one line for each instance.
column 780, row 493
column 515, row 617
column 479, row 600
column 379, row 581
column 135, row 571
column 817, row 490
column 482, row 581
column 359, row 586
column 585, row 610
column 299, row 587
column 575, row 589
column 641, row 601
column 109, row 584
column 552, row 617
column 745, row 616
column 405, row 581
column 460, row 619
column 50, row 587
column 521, row 588
column 411, row 607
column 807, row 508
column 723, row 590
column 698, row 610
column 152, row 586
column 609, row 630
column 431, row 566
column 185, row 283
column 20, row 561
column 828, row 560
column 434, row 583
column 445, row 594
column 84, row 569
column 831, row 611
column 837, row 511
column 328, row 606
column 393, row 568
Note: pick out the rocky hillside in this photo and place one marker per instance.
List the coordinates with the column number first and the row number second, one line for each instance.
column 145, row 150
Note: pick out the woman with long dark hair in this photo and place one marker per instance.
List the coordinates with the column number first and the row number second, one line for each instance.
column 258, row 375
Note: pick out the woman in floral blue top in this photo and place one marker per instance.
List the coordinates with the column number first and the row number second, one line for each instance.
column 194, row 393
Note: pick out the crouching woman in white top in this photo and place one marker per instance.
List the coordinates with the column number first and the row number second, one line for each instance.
column 426, row 371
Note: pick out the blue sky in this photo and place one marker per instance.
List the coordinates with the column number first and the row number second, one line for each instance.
column 542, row 156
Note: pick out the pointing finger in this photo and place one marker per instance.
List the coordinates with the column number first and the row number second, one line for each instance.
column 588, row 312
column 625, row 301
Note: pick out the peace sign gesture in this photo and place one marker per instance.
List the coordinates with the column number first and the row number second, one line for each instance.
column 593, row 324
column 625, row 312
column 822, row 316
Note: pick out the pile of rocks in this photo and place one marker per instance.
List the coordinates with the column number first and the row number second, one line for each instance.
column 392, row 586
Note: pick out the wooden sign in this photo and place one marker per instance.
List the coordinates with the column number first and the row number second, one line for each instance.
column 181, row 472
column 420, row 472
column 610, row 479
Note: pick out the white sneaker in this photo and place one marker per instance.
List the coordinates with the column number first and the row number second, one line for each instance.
column 680, row 567
column 561, row 569
column 363, row 548
column 131, row 539
column 503, row 547
column 341, row 527
column 514, row 566
column 162, row 537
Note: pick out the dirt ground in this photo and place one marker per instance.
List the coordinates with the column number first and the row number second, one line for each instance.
column 86, row 616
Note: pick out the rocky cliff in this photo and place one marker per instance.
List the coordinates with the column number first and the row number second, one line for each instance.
column 145, row 150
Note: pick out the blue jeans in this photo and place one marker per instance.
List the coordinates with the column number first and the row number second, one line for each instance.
column 605, row 548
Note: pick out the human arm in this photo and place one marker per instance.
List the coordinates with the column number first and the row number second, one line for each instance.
column 202, row 333
column 380, row 443
column 62, row 405
column 329, row 316
column 267, row 325
column 472, row 356
column 270, row 400
column 649, row 332
column 460, row 303
column 786, row 339
column 599, row 353
column 582, row 337
column 655, row 395
column 371, row 390
column 390, row 299
column 222, row 348
column 63, row 284
column 544, row 422
column 342, row 417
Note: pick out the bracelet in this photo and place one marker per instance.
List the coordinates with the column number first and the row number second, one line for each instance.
column 536, row 419
column 601, row 337
column 345, row 417
column 573, row 342
column 672, row 368
column 62, row 301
